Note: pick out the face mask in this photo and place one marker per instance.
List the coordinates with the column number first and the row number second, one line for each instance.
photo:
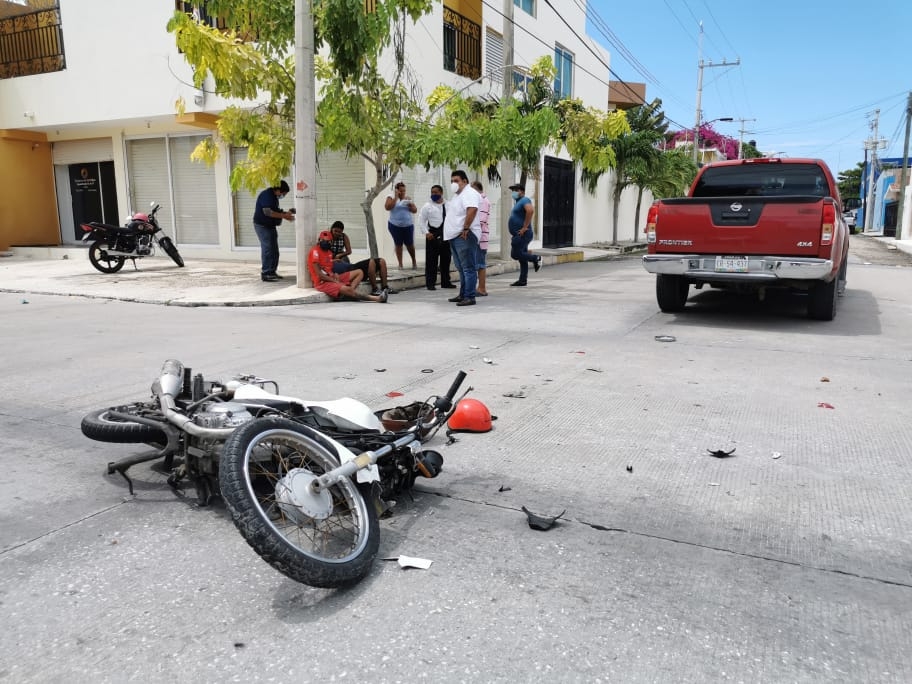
column 454, row 187
column 325, row 244
column 514, row 195
column 436, row 198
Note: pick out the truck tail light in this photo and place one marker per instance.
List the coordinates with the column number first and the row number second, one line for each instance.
column 828, row 225
column 651, row 219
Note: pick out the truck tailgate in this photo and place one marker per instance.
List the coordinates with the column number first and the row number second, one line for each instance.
column 785, row 226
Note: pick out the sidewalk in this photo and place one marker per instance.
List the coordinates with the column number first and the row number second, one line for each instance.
column 66, row 271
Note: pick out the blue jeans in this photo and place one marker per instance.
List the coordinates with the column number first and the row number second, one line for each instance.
column 269, row 248
column 519, row 250
column 464, row 250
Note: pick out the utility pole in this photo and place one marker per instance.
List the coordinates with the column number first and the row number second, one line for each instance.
column 902, row 174
column 700, row 66
column 507, row 170
column 872, row 144
column 305, row 158
column 741, row 136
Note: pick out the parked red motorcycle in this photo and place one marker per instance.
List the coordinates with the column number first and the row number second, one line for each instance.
column 113, row 245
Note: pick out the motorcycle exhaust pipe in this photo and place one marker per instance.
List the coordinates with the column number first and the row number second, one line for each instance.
column 171, row 379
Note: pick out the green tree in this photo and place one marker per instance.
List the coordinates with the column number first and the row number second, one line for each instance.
column 849, row 182
column 359, row 112
column 636, row 155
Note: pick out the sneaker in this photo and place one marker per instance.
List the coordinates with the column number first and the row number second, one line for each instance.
column 537, row 264
column 269, row 278
column 391, row 290
column 449, row 286
column 432, row 288
column 456, row 299
column 383, row 297
column 278, row 277
column 518, row 283
column 376, row 291
column 466, row 302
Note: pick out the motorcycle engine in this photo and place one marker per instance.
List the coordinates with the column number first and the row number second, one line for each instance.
column 215, row 414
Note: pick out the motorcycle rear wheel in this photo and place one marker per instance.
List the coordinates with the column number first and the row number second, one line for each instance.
column 101, row 260
column 103, row 427
column 171, row 251
column 335, row 549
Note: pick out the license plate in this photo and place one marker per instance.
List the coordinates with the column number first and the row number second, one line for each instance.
column 731, row 264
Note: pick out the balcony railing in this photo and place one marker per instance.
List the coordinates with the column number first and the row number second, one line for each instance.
column 31, row 43
column 461, row 44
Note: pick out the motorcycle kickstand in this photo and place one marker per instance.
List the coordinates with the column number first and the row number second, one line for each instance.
column 133, row 259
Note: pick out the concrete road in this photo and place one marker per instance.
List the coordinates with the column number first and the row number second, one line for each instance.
column 788, row 561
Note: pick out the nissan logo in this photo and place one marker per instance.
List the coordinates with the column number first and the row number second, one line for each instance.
column 736, row 206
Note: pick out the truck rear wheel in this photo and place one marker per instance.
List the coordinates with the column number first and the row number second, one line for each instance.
column 822, row 301
column 671, row 292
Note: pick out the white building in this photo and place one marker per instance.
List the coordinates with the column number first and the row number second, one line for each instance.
column 89, row 130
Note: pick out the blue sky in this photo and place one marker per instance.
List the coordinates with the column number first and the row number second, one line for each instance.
column 810, row 71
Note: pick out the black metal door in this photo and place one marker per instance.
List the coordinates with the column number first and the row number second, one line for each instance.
column 557, row 203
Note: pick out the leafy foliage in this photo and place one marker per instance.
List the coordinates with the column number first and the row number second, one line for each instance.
column 849, row 182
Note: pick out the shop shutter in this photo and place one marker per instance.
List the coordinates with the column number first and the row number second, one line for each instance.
column 244, row 203
column 193, row 184
column 147, row 161
column 340, row 191
column 81, row 151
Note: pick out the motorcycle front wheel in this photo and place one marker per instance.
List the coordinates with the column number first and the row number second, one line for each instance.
column 104, row 262
column 328, row 539
column 171, row 251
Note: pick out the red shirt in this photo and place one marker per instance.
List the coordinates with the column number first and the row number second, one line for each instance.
column 317, row 260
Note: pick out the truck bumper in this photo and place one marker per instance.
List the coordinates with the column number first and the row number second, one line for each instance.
column 703, row 267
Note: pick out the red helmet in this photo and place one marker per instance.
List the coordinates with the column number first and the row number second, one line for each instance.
column 139, row 216
column 470, row 416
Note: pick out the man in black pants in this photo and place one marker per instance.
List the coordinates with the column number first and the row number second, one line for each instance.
column 437, row 250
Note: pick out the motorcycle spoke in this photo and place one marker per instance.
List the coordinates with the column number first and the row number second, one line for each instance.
column 333, row 537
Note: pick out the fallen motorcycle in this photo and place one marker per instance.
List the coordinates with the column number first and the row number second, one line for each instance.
column 305, row 481
column 113, row 245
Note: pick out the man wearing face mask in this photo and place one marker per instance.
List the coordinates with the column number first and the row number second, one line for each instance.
column 520, row 226
column 336, row 285
column 462, row 228
column 266, row 219
column 437, row 250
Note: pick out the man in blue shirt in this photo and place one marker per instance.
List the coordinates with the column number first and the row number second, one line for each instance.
column 520, row 227
column 266, row 219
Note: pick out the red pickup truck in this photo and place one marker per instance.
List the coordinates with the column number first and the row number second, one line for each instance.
column 752, row 224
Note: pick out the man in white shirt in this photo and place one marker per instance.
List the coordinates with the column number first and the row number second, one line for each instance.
column 437, row 250
column 462, row 228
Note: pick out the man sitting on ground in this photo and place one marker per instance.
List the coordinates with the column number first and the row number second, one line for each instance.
column 336, row 285
column 341, row 248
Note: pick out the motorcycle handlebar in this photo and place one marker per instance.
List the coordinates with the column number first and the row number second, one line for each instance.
column 446, row 401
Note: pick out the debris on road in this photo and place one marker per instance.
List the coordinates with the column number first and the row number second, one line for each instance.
column 824, row 379
column 541, row 522
column 394, row 394
column 630, row 469
column 665, row 338
column 518, row 394
column 719, row 453
column 777, row 454
column 504, row 488
column 411, row 562
column 823, row 404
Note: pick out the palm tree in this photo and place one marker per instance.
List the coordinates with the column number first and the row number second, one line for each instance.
column 671, row 177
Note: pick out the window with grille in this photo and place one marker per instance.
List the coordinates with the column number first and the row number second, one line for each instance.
column 31, row 39
column 461, row 44
column 201, row 14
